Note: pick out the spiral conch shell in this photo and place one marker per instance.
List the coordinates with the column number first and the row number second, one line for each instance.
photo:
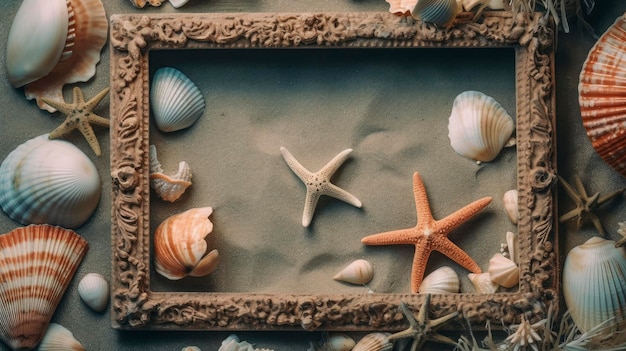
column 168, row 187
column 180, row 248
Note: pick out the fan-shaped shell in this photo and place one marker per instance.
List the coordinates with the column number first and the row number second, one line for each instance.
column 93, row 289
column 49, row 181
column 602, row 99
column 439, row 12
column 358, row 272
column 168, row 187
column 482, row 283
column 374, row 342
column 594, row 284
column 176, row 101
column 334, row 342
column 479, row 127
column 443, row 280
column 503, row 271
column 58, row 338
column 180, row 248
column 37, row 264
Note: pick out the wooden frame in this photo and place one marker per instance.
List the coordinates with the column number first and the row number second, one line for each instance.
column 134, row 305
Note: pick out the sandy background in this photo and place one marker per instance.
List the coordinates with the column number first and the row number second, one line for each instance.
column 391, row 109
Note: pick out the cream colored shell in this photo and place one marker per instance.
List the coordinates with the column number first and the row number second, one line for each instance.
column 59, row 338
column 482, row 283
column 511, row 207
column 503, row 271
column 357, row 272
column 443, row 280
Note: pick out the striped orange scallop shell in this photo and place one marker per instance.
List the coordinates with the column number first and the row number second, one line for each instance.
column 602, row 95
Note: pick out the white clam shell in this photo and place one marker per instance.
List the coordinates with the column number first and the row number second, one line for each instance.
column 176, row 101
column 511, row 207
column 59, row 338
column 503, row 271
column 594, row 284
column 168, row 187
column 374, row 342
column 358, row 272
column 439, row 12
column 479, row 127
column 482, row 283
column 93, row 289
column 49, row 181
column 443, row 280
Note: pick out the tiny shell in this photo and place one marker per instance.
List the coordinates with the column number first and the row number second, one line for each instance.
column 168, row 187
column 503, row 271
column 176, row 101
column 58, row 338
column 93, row 289
column 509, row 200
column 374, row 342
column 357, row 272
column 479, row 127
column 511, row 243
column 443, row 280
column 482, row 283
column 439, row 12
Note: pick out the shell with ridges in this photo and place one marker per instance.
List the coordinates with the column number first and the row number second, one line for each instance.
column 503, row 271
column 443, row 280
column 374, row 342
column 482, row 283
column 401, row 7
column 479, row 127
column 180, row 248
column 509, row 201
column 49, row 181
column 58, row 338
column 37, row 264
column 168, row 187
column 93, row 289
column 439, row 12
column 176, row 101
column 358, row 272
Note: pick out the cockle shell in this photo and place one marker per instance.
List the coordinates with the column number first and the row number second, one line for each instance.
column 168, row 187
column 93, row 289
column 334, row 342
column 601, row 95
column 65, row 39
column 439, row 12
column 482, row 283
column 479, row 127
column 509, row 201
column 503, row 271
column 58, row 338
column 176, row 101
column 358, row 272
column 49, row 181
column 180, row 248
column 37, row 264
column 443, row 280
column 374, row 342
column 594, row 285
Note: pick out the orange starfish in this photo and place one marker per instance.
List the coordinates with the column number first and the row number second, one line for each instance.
column 430, row 234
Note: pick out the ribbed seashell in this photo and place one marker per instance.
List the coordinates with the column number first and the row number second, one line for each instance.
column 52, row 43
column 601, row 95
column 358, row 272
column 374, row 342
column 594, row 285
column 49, row 181
column 401, row 7
column 58, row 338
column 168, row 187
column 176, row 101
column 180, row 248
column 479, row 127
column 482, row 283
column 37, row 264
column 509, row 201
column 439, row 12
column 503, row 271
column 334, row 342
column 443, row 280
column 93, row 289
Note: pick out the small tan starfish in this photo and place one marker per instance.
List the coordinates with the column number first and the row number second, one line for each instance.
column 430, row 234
column 80, row 116
column 318, row 183
column 421, row 328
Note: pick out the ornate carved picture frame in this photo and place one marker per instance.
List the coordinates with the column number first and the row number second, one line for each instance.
column 135, row 305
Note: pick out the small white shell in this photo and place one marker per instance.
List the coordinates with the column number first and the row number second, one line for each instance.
column 439, row 12
column 176, row 101
column 482, row 283
column 58, row 338
column 479, row 127
column 93, row 289
column 334, row 342
column 168, row 187
column 374, row 342
column 232, row 343
column 443, row 280
column 503, row 271
column 358, row 272
column 178, row 3
column 509, row 200
column 511, row 243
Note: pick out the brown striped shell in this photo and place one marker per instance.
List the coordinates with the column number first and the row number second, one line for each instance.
column 37, row 264
column 602, row 95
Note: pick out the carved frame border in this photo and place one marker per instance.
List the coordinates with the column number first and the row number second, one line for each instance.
column 135, row 306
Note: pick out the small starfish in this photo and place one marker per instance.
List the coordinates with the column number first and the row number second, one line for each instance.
column 430, row 234
column 318, row 183
column 585, row 205
column 421, row 328
column 80, row 116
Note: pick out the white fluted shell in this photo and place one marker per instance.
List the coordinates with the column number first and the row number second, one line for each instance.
column 49, row 181
column 594, row 284
column 439, row 12
column 443, row 280
column 503, row 271
column 479, row 127
column 357, row 272
column 93, row 289
column 482, row 283
column 168, row 187
column 374, row 342
column 59, row 338
column 176, row 101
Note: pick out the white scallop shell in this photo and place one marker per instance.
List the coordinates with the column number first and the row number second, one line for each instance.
column 58, row 338
column 374, row 342
column 594, row 285
column 93, row 289
column 443, row 280
column 358, row 272
column 479, row 127
column 482, row 283
column 168, row 187
column 509, row 200
column 503, row 271
column 439, row 12
column 49, row 181
column 176, row 101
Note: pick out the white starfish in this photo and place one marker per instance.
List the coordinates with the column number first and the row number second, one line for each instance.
column 318, row 183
